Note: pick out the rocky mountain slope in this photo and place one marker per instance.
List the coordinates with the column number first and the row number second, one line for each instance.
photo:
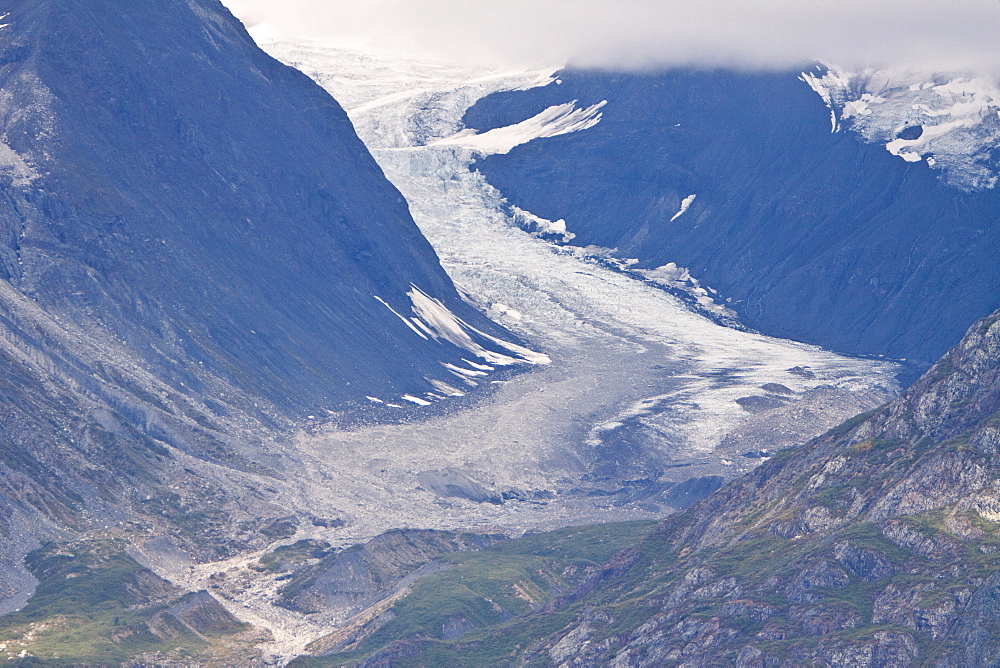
column 733, row 180
column 196, row 253
column 873, row 545
column 876, row 544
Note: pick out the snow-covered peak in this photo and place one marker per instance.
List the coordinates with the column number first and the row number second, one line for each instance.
column 952, row 122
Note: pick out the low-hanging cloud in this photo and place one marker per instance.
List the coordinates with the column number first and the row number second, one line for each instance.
column 929, row 34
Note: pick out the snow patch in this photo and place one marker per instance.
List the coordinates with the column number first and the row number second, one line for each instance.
column 461, row 371
column 445, row 388
column 443, row 325
column 685, row 204
column 402, row 317
column 433, row 320
column 557, row 120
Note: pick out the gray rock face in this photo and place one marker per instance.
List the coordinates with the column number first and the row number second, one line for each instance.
column 862, row 562
column 978, row 629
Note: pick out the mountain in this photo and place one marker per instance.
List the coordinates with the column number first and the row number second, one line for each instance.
column 197, row 254
column 736, row 180
column 204, row 274
column 208, row 208
column 876, row 544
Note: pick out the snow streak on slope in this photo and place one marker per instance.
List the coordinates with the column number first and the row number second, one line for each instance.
column 685, row 204
column 556, row 120
column 951, row 121
column 432, row 320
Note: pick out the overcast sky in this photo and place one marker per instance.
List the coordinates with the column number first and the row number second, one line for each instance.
column 938, row 34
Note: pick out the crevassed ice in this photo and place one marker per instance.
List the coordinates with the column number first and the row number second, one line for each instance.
column 951, row 121
column 540, row 225
column 564, row 300
column 680, row 278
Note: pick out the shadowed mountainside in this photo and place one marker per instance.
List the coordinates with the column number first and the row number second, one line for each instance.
column 193, row 245
column 813, row 236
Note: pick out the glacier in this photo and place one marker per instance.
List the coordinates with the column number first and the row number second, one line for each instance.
column 637, row 387
column 626, row 387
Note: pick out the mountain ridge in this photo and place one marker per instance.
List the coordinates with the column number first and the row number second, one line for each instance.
column 884, row 505
column 198, row 256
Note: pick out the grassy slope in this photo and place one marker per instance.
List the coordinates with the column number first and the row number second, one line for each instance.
column 496, row 589
column 92, row 606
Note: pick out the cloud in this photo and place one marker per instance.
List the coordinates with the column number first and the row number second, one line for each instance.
column 930, row 34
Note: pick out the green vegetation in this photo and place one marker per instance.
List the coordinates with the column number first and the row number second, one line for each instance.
column 494, row 590
column 95, row 605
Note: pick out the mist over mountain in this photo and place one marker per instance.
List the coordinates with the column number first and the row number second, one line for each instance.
column 644, row 34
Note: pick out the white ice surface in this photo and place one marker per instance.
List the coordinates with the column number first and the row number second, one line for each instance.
column 621, row 350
